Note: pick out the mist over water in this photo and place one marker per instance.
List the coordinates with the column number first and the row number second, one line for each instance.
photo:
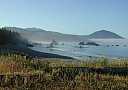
column 108, row 48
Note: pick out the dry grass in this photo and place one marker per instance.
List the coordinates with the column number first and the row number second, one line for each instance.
column 42, row 74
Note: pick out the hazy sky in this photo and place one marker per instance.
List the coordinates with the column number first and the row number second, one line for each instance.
column 67, row 16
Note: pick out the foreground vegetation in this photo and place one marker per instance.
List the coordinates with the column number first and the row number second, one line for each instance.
column 19, row 72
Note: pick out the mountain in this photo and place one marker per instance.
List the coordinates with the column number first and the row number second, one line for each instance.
column 36, row 34
column 103, row 34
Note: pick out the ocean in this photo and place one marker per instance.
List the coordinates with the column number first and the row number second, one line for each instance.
column 112, row 48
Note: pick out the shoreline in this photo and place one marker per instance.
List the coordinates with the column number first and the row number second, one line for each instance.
column 30, row 53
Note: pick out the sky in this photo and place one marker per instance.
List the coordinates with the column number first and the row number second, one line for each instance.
column 81, row 17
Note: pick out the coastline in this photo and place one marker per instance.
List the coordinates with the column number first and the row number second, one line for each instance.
column 30, row 53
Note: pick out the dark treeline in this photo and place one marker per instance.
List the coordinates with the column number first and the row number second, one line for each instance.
column 8, row 37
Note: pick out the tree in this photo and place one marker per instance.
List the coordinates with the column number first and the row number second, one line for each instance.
column 8, row 37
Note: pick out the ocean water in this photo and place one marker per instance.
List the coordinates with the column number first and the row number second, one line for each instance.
column 109, row 48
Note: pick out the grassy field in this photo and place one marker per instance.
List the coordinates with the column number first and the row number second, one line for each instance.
column 19, row 72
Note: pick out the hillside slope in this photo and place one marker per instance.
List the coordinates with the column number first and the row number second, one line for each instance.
column 36, row 34
column 103, row 34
